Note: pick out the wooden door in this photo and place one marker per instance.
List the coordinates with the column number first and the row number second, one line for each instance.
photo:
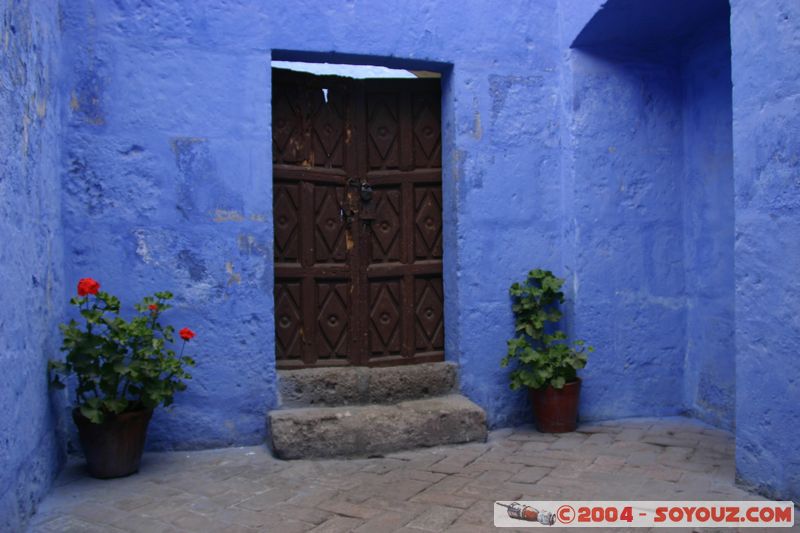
column 358, row 221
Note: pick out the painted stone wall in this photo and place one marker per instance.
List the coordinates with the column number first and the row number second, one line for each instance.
column 649, row 189
column 765, row 43
column 30, row 254
column 628, row 272
column 167, row 174
column 708, row 225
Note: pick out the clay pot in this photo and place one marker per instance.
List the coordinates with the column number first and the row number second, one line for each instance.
column 556, row 410
column 113, row 448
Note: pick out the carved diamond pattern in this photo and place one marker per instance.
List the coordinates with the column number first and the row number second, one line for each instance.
column 283, row 122
column 386, row 227
column 285, row 213
column 426, row 131
column 429, row 312
column 429, row 220
column 383, row 130
column 328, row 126
column 327, row 220
column 332, row 318
column 385, row 315
column 287, row 319
column 393, row 293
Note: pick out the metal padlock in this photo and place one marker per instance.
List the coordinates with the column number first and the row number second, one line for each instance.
column 365, row 192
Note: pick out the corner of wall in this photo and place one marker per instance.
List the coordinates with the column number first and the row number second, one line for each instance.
column 31, row 258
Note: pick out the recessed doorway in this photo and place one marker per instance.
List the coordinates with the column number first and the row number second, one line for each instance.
column 357, row 192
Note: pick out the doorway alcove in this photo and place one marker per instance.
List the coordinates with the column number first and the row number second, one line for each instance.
column 653, row 221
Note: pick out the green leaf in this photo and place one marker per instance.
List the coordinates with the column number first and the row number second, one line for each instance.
column 116, row 405
column 94, row 415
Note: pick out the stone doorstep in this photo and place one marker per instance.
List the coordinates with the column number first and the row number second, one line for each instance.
column 315, row 432
column 332, row 386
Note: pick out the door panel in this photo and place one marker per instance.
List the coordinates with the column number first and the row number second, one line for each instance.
column 358, row 222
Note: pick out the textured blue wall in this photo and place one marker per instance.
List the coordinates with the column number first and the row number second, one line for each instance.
column 765, row 43
column 650, row 194
column 31, row 277
column 628, row 271
column 168, row 168
column 710, row 378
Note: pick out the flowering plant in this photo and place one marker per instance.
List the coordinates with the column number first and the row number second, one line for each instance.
column 120, row 365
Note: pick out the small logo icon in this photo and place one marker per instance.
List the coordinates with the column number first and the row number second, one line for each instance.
column 565, row 514
column 527, row 513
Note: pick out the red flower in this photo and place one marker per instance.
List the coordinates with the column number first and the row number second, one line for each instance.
column 186, row 334
column 87, row 286
column 153, row 308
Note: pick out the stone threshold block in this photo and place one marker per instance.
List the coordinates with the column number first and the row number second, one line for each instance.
column 362, row 385
column 369, row 430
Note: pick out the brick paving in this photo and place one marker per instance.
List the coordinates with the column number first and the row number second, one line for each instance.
column 434, row 489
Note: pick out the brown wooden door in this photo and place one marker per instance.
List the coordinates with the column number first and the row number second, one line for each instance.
column 358, row 221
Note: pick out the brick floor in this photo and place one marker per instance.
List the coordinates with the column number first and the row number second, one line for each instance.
column 435, row 489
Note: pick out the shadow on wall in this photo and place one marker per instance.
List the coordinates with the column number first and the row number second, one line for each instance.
column 653, row 208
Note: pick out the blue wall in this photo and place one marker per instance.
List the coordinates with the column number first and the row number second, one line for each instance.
column 650, row 191
column 31, row 278
column 710, row 376
column 628, row 270
column 168, row 167
column 765, row 47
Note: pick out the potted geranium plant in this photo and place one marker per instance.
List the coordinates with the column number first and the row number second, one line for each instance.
column 547, row 362
column 123, row 370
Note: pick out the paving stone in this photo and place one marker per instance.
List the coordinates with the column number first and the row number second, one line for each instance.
column 437, row 518
column 345, row 508
column 265, row 499
column 478, row 467
column 338, row 524
column 565, row 444
column 655, row 472
column 533, row 460
column 287, row 511
column 630, row 434
column 139, row 523
column 96, row 513
column 384, row 466
column 424, row 475
column 407, row 508
column 243, row 517
column 385, row 521
column 528, row 435
column 600, row 438
column 534, row 446
column 460, row 527
column 642, row 458
column 598, row 428
column 403, row 490
column 71, row 524
column 134, row 502
column 449, row 484
column 492, row 478
column 191, row 521
column 448, row 488
column 530, row 474
column 446, row 499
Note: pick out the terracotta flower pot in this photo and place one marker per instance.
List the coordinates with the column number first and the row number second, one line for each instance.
column 113, row 448
column 556, row 410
